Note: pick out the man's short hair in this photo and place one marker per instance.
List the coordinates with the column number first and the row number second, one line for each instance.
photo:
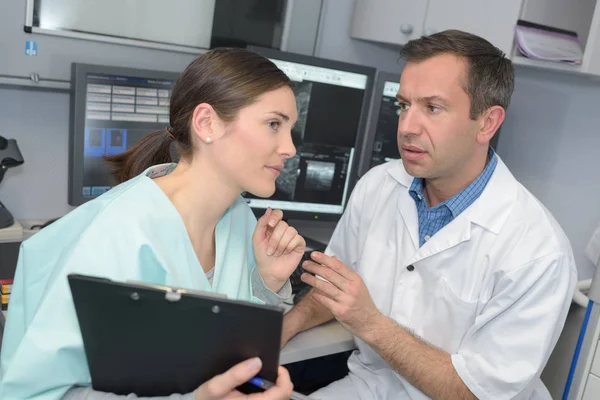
column 490, row 76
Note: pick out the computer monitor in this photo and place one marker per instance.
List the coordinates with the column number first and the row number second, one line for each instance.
column 381, row 143
column 112, row 108
column 333, row 100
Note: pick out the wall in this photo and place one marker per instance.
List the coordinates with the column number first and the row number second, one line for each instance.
column 551, row 141
column 334, row 40
column 40, row 123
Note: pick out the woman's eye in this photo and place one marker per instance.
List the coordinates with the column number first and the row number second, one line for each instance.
column 274, row 125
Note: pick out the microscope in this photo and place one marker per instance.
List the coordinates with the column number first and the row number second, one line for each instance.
column 10, row 156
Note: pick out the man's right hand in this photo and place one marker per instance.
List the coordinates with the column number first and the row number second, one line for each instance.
column 223, row 387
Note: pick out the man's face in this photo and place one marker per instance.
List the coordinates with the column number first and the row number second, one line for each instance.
column 436, row 136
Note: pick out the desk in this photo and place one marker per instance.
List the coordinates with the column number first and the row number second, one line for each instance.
column 322, row 340
column 329, row 338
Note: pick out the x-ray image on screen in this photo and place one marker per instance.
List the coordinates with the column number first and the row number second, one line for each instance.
column 330, row 103
column 286, row 182
column 302, row 91
column 319, row 175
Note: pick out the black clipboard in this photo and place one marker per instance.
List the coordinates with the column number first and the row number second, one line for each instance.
column 156, row 340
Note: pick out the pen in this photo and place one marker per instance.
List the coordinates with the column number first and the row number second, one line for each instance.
column 263, row 384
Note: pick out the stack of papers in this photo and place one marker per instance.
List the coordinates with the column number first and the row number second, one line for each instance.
column 541, row 42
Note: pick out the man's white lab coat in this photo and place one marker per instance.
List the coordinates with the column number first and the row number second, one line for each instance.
column 492, row 288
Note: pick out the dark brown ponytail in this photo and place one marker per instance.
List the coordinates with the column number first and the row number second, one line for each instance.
column 151, row 150
column 228, row 79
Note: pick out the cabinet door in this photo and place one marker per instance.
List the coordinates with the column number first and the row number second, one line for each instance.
column 492, row 20
column 592, row 388
column 388, row 21
column 591, row 57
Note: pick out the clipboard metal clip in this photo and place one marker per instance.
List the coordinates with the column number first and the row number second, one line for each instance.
column 173, row 295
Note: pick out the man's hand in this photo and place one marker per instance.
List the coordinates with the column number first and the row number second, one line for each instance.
column 344, row 293
column 277, row 248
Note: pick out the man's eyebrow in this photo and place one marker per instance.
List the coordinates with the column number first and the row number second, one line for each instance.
column 426, row 99
column 432, row 99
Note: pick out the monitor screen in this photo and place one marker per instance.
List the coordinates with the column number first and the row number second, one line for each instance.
column 332, row 101
column 113, row 108
column 385, row 143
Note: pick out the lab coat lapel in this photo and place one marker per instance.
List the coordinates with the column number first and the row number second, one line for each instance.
column 408, row 210
column 452, row 234
column 456, row 232
column 406, row 205
column 489, row 211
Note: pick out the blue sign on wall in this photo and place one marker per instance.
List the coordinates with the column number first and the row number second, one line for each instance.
column 31, row 48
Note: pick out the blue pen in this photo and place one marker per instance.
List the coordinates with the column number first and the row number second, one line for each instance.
column 263, row 384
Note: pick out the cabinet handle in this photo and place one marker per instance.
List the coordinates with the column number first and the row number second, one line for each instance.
column 407, row 29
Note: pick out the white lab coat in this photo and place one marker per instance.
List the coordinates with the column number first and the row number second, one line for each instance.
column 492, row 288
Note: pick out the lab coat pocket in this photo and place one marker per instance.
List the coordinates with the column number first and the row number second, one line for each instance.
column 451, row 318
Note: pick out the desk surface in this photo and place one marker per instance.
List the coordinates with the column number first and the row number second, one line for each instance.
column 329, row 338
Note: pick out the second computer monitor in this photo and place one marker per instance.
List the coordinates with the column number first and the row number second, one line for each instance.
column 381, row 144
column 332, row 101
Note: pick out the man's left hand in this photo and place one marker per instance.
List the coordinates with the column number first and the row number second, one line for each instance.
column 343, row 292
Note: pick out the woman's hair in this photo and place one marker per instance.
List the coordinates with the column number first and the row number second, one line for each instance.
column 228, row 79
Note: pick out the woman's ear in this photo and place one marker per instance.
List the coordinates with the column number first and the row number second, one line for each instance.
column 206, row 124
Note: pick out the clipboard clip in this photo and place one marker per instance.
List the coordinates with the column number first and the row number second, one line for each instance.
column 172, row 295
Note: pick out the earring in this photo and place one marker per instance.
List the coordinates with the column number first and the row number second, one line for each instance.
column 208, row 140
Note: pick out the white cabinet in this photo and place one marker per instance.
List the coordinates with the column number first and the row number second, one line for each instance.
column 492, row 20
column 394, row 22
column 592, row 388
column 398, row 21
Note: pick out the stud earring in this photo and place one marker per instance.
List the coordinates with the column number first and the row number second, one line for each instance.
column 208, row 140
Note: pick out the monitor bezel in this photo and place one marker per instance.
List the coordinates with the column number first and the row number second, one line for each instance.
column 79, row 72
column 370, row 72
column 367, row 147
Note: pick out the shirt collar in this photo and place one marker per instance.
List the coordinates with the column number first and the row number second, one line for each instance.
column 462, row 200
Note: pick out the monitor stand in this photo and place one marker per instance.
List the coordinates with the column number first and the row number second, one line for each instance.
column 6, row 218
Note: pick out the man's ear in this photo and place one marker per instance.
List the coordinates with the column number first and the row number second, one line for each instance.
column 491, row 119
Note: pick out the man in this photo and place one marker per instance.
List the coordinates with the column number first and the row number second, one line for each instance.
column 454, row 279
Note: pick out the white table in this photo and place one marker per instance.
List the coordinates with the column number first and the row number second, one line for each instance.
column 329, row 338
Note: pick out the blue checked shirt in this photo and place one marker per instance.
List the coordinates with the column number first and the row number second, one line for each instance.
column 433, row 219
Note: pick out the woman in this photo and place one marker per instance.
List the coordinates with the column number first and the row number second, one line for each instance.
column 183, row 224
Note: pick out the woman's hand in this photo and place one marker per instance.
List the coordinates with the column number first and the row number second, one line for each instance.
column 222, row 387
column 278, row 248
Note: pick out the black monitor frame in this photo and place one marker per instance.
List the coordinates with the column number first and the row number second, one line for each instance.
column 369, row 139
column 370, row 73
column 78, row 103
